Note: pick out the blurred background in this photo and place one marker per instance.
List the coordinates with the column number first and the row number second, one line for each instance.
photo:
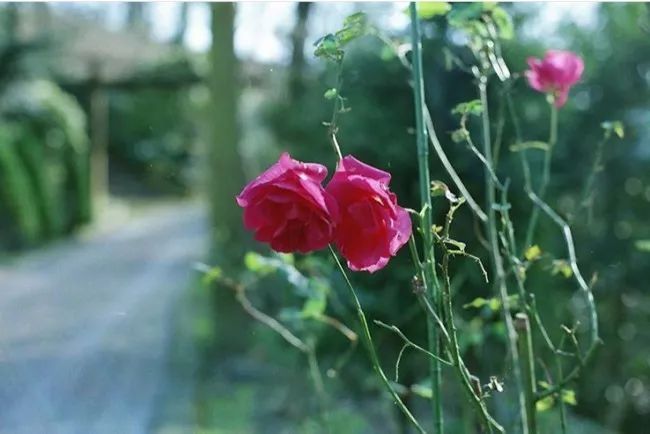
column 126, row 130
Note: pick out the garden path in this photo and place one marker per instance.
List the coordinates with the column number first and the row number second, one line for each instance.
column 86, row 326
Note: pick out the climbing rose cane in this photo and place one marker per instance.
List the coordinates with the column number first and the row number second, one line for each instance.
column 555, row 74
column 287, row 207
column 373, row 227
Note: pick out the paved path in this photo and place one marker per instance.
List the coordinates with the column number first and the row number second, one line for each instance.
column 85, row 326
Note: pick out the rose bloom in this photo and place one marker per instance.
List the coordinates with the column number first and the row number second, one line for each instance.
column 372, row 227
column 555, row 74
column 287, row 207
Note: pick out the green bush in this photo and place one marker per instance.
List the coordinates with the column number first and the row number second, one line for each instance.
column 46, row 145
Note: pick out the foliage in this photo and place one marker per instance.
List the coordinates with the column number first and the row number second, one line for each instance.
column 609, row 242
column 157, row 145
column 48, row 186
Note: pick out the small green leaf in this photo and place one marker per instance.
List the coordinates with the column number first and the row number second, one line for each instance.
column 314, row 307
column 503, row 21
column 427, row 10
column 461, row 14
column 529, row 145
column 212, row 275
column 545, row 404
column 438, row 188
column 532, row 253
column 422, row 391
column 561, row 266
column 642, row 245
column 569, row 397
column 330, row 93
column 544, row 384
column 328, row 47
column 459, row 136
column 477, row 303
column 354, row 26
column 256, row 263
column 473, row 107
column 614, row 126
column 494, row 304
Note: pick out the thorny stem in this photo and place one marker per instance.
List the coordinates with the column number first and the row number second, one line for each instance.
column 594, row 339
column 430, row 278
column 527, row 357
column 546, row 174
column 371, row 348
column 497, row 261
column 473, row 395
column 410, row 343
column 437, row 147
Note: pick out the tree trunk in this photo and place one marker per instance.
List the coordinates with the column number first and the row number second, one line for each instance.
column 181, row 27
column 298, row 36
column 225, row 176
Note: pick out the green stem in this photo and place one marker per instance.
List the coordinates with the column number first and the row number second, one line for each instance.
column 522, row 324
column 333, row 126
column 546, row 176
column 374, row 358
column 472, row 395
column 497, row 260
column 431, row 280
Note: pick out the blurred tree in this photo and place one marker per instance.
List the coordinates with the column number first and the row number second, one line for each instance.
column 136, row 16
column 181, row 27
column 225, row 175
column 298, row 36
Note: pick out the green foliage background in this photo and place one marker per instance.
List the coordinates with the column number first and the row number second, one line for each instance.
column 615, row 86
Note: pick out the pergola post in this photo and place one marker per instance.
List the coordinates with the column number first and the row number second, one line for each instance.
column 99, row 124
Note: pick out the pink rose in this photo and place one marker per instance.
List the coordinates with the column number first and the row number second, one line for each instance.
column 555, row 74
column 372, row 227
column 288, row 208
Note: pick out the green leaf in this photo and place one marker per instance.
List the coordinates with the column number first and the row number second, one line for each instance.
column 328, row 47
column 461, row 14
column 212, row 275
column 494, row 304
column 561, row 266
column 427, row 10
column 477, row 303
column 529, row 145
column 257, row 263
column 545, row 404
column 354, row 26
column 642, row 245
column 459, row 136
column 473, row 107
column 422, row 391
column 314, row 307
column 569, row 397
column 438, row 188
column 503, row 21
column 614, row 126
column 532, row 253
column 330, row 93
